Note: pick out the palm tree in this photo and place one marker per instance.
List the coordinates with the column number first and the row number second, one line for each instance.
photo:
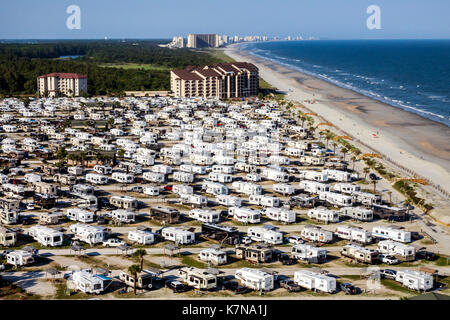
column 334, row 147
column 353, row 162
column 390, row 196
column 134, row 270
column 141, row 253
column 366, row 171
column 374, row 182
column 344, row 151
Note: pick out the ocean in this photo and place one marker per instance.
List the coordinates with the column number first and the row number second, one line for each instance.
column 410, row 74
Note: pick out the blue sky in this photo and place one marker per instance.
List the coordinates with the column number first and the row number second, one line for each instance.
column 336, row 19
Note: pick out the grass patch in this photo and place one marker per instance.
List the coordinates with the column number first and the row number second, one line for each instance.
column 139, row 66
column 191, row 262
column 393, row 285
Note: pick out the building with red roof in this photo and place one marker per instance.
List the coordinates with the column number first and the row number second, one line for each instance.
column 59, row 83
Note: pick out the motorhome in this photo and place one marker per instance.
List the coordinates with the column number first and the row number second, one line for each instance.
column 313, row 186
column 356, row 234
column 246, row 187
column 284, row 188
column 245, row 215
column 208, row 216
column 86, row 282
column 154, row 177
column 178, row 235
column 415, row 280
column 19, row 258
column 255, row 253
column 314, row 175
column 122, row 177
column 124, row 202
column 223, row 234
column 229, row 200
column 197, row 278
column 164, row 214
column 255, row 279
column 360, row 254
column 280, row 214
column 87, row 233
column 263, row 200
column 8, row 237
column 323, row 215
column 337, row 199
column 309, row 253
column 46, row 236
column 123, row 216
column 96, row 178
column 399, row 250
column 315, row 281
column 366, row 198
column 347, row 188
column 77, row 214
column 316, row 234
column 357, row 213
column 215, row 188
column 391, row 232
column 265, row 234
column 213, row 256
column 143, row 237
column 338, row 175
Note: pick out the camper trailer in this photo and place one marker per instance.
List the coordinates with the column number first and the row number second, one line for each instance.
column 46, row 236
column 19, row 258
column 86, row 282
column 265, row 234
column 323, row 215
column 9, row 217
column 154, row 177
column 164, row 214
column 245, row 215
column 275, row 175
column 386, row 212
column 360, row 254
column 214, row 188
column 314, row 175
column 366, row 198
column 303, row 201
column 161, row 168
column 75, row 171
column 130, row 167
column 315, row 281
column 144, row 279
column 312, row 161
column 262, row 200
column 184, row 177
column 399, row 250
column 415, row 280
column 124, row 202
column 197, row 278
column 281, row 215
column 208, row 216
column 316, row 234
column 336, row 199
column 77, row 214
column 255, row 279
column 347, row 188
column 223, row 234
column 356, row 234
column 8, row 237
column 213, row 256
column 391, row 232
column 96, row 178
column 246, row 187
column 220, row 177
column 90, row 234
column 178, row 235
column 82, row 190
column 229, row 201
column 308, row 253
column 284, row 188
column 338, row 175
column 103, row 169
column 46, row 218
column 143, row 237
column 195, row 200
column 313, row 186
column 356, row 213
column 122, row 177
column 123, row 216
column 65, row 179
column 182, row 189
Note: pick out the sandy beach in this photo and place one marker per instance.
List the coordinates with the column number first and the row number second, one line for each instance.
column 406, row 138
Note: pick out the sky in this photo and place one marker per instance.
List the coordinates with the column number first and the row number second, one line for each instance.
column 331, row 19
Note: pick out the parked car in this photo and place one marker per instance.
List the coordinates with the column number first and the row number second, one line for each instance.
column 388, row 274
column 290, row 285
column 235, row 287
column 295, row 240
column 426, row 255
column 137, row 189
column 168, row 187
column 176, row 286
column 113, row 242
column 388, row 259
column 348, row 288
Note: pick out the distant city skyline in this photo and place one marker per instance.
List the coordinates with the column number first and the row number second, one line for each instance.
column 137, row 19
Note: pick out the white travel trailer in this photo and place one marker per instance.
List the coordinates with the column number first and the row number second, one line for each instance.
column 245, row 215
column 124, row 202
column 313, row 186
column 284, row 188
column 213, row 256
column 229, row 200
column 123, row 216
column 208, row 216
column 355, row 234
column 415, row 280
column 96, row 178
column 357, row 213
column 323, row 214
column 314, row 175
column 197, row 278
column 309, row 253
column 315, row 281
column 31, row 178
column 338, row 175
column 222, row 169
column 87, row 233
column 317, row 234
column 246, row 187
column 255, row 279
column 220, row 177
column 312, row 161
column 337, row 199
column 253, row 177
column 262, row 200
column 182, row 189
column 183, row 177
column 400, row 250
column 123, row 177
column 154, row 177
column 143, row 237
column 348, row 188
column 151, row 190
column 102, row 169
column 19, row 258
column 178, row 235
column 275, row 175
column 87, row 282
column 282, row 215
column 366, row 198
column 266, row 235
column 195, row 200
column 145, row 160
column 46, row 236
column 77, row 214
column 161, row 168
column 294, row 152
column 4, row 178
column 391, row 232
column 215, row 188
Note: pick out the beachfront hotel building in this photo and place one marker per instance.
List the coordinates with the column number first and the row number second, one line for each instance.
column 57, row 84
column 203, row 40
column 223, row 80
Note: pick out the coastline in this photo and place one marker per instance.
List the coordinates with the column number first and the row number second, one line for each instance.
column 415, row 142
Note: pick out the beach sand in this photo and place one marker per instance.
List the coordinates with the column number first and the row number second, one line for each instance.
column 415, row 142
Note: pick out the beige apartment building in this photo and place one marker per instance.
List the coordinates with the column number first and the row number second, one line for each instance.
column 56, row 84
column 203, row 40
column 223, row 80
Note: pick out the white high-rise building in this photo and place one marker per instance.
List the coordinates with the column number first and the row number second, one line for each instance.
column 56, row 84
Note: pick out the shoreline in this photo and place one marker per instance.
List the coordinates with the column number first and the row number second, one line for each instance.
column 405, row 138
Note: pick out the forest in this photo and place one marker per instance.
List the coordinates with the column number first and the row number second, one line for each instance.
column 22, row 63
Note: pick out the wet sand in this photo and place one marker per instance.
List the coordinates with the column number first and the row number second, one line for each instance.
column 417, row 143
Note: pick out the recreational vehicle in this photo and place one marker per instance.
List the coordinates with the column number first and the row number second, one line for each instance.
column 366, row 198
column 415, row 280
column 143, row 237
column 348, row 188
column 195, row 200
column 124, row 202
column 86, row 282
column 208, row 216
column 391, row 232
column 9, row 217
column 337, row 199
column 313, row 186
column 19, row 258
column 337, row 175
column 399, row 250
column 308, row 253
column 164, row 214
column 279, row 214
column 8, row 237
column 254, row 253
column 356, row 234
column 197, row 278
column 360, row 254
column 123, row 216
column 356, row 213
column 265, row 234
column 262, row 200
column 214, row 188
column 220, row 177
column 47, row 218
column 103, row 169
column 77, row 214
column 213, row 256
column 323, row 215
column 184, row 177
column 46, row 236
column 223, row 234
column 315, row 281
column 75, row 171
column 245, row 215
column 122, row 177
column 229, row 201
column 154, row 177
column 96, row 178
column 246, row 187
column 284, row 188
column 182, row 189
column 178, row 235
column 255, row 279
column 314, row 175
column 87, row 233
column 316, row 234
column 386, row 212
